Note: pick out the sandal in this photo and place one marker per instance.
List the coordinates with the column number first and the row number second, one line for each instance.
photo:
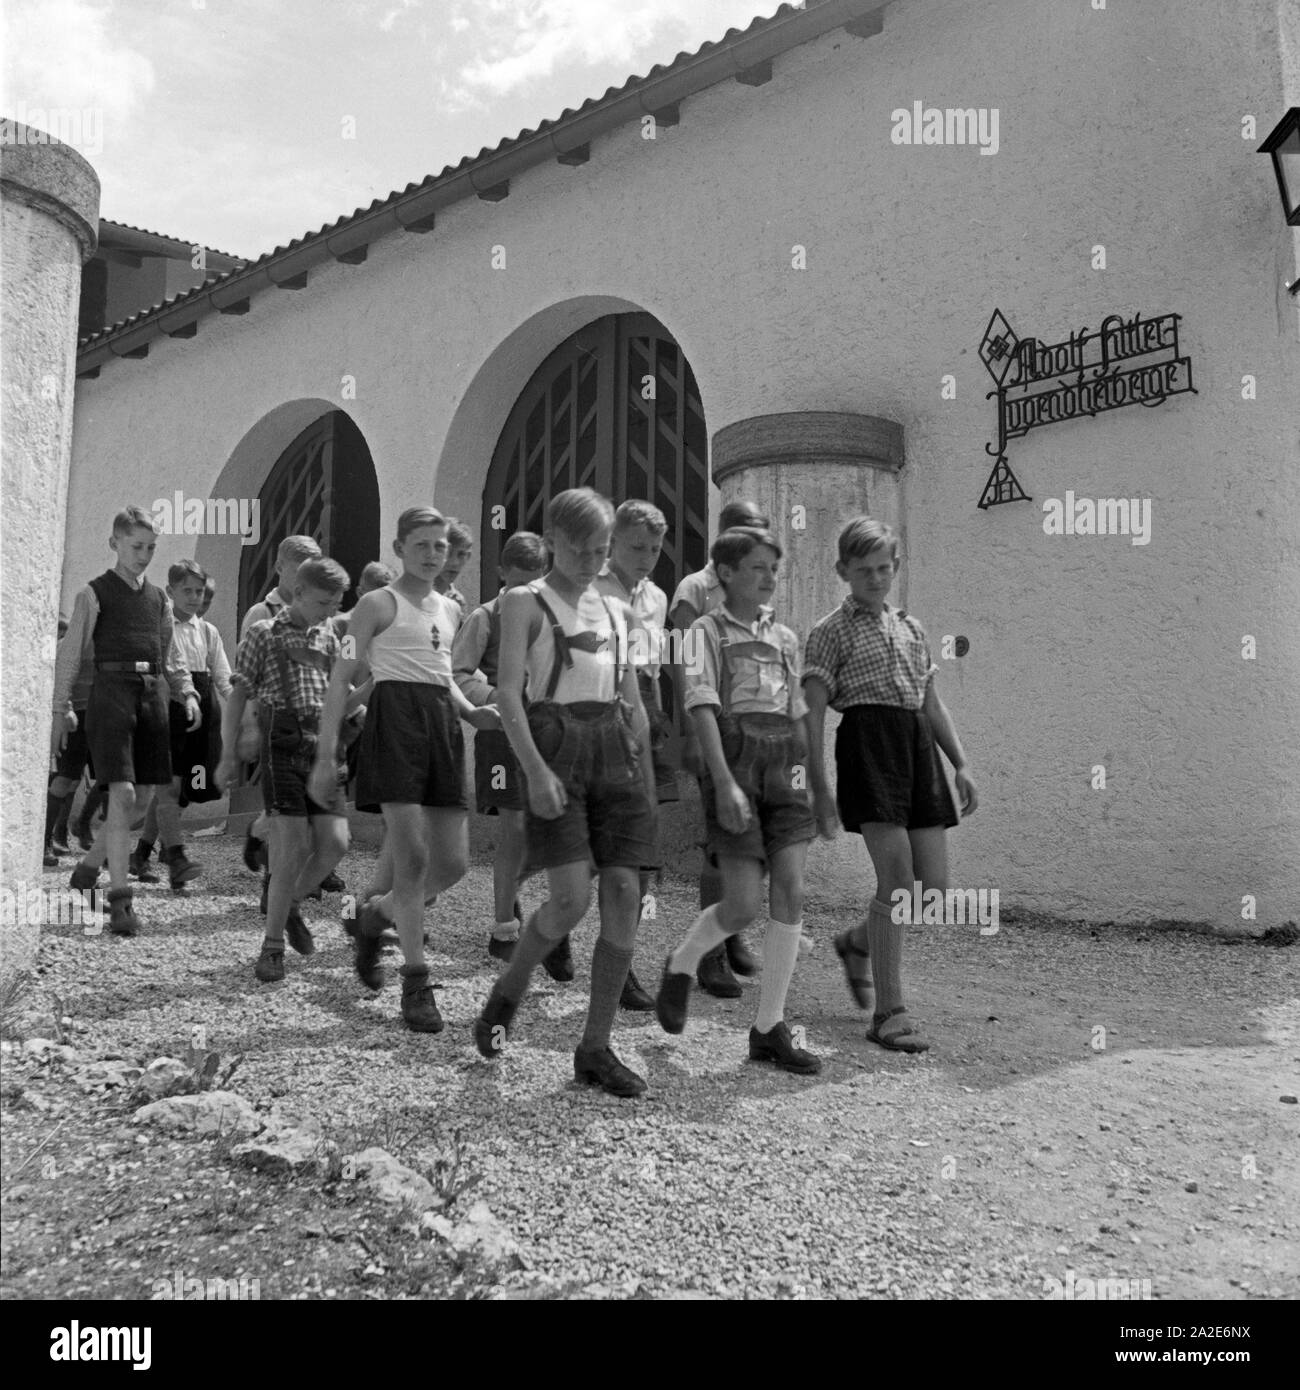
column 862, row 988
column 904, row 1038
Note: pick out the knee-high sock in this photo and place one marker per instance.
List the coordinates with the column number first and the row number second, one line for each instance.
column 53, row 806
column 95, row 798
column 885, row 942
column 780, row 953
column 706, row 932
column 609, row 967
column 529, row 950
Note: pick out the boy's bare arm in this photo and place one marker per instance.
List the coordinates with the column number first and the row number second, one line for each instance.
column 945, row 735
column 630, row 689
column 520, row 623
column 230, row 719
column 945, row 732
column 817, row 697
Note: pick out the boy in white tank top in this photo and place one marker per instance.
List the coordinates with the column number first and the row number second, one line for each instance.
column 583, row 743
column 412, row 756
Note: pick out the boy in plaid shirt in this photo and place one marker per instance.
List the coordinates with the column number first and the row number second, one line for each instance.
column 284, row 663
column 872, row 662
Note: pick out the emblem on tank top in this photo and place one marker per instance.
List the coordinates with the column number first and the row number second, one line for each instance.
column 587, row 641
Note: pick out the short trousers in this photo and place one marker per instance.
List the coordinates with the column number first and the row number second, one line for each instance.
column 412, row 748
column 196, row 753
column 128, row 729
column 887, row 769
column 609, row 819
column 75, row 757
column 288, row 752
column 498, row 781
column 661, row 728
column 762, row 751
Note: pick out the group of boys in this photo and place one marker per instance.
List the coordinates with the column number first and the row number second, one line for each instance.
column 568, row 659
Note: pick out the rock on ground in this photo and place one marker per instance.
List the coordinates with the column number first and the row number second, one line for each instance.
column 209, row 1112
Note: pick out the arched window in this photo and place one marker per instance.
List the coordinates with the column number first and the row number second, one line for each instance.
column 322, row 486
column 615, row 407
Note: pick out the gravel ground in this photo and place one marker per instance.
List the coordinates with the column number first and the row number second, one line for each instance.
column 1026, row 1145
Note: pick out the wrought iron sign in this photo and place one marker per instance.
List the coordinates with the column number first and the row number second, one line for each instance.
column 1125, row 362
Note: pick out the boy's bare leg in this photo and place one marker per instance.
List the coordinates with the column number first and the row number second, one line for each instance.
column 890, row 847
column 569, row 897
column 508, row 866
column 116, row 832
column 781, row 938
column 289, row 846
column 329, row 843
column 166, row 812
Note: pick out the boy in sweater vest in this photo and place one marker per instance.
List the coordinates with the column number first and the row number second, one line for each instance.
column 126, row 623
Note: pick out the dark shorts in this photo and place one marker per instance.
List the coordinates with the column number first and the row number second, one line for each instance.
column 608, row 820
column 761, row 752
column 887, row 769
column 412, row 748
column 128, row 728
column 288, row 751
column 661, row 728
column 75, row 758
column 498, row 782
column 196, row 753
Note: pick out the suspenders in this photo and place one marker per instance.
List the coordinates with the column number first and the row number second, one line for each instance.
column 563, row 643
column 724, row 666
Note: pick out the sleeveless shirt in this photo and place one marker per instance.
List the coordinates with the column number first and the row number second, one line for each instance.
column 592, row 675
column 416, row 645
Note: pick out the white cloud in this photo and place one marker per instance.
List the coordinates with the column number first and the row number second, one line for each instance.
column 522, row 41
column 390, row 17
column 61, row 53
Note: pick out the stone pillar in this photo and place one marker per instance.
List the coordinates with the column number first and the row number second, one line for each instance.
column 50, row 205
column 811, row 471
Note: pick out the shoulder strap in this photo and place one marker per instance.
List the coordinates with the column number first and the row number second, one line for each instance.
column 724, row 670
column 562, row 657
column 616, row 644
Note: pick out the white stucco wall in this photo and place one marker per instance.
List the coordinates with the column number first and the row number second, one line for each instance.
column 1120, row 128
column 49, row 210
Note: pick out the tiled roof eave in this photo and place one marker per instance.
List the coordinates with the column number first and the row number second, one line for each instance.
column 659, row 91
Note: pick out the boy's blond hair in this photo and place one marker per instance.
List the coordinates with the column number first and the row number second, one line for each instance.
column 862, row 535
column 295, row 549
column 129, row 518
column 636, row 512
column 578, row 513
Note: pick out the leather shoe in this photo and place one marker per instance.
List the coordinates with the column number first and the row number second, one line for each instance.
column 671, row 1002
column 634, row 998
column 492, row 1026
column 741, row 957
column 777, row 1046
column 598, row 1066
column 558, row 961
column 715, row 976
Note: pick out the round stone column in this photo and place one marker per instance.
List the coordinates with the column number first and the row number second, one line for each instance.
column 50, row 208
column 811, row 471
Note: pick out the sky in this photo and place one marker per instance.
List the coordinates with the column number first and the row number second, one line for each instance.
column 242, row 125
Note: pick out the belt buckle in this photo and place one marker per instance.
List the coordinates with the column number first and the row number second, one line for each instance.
column 143, row 668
